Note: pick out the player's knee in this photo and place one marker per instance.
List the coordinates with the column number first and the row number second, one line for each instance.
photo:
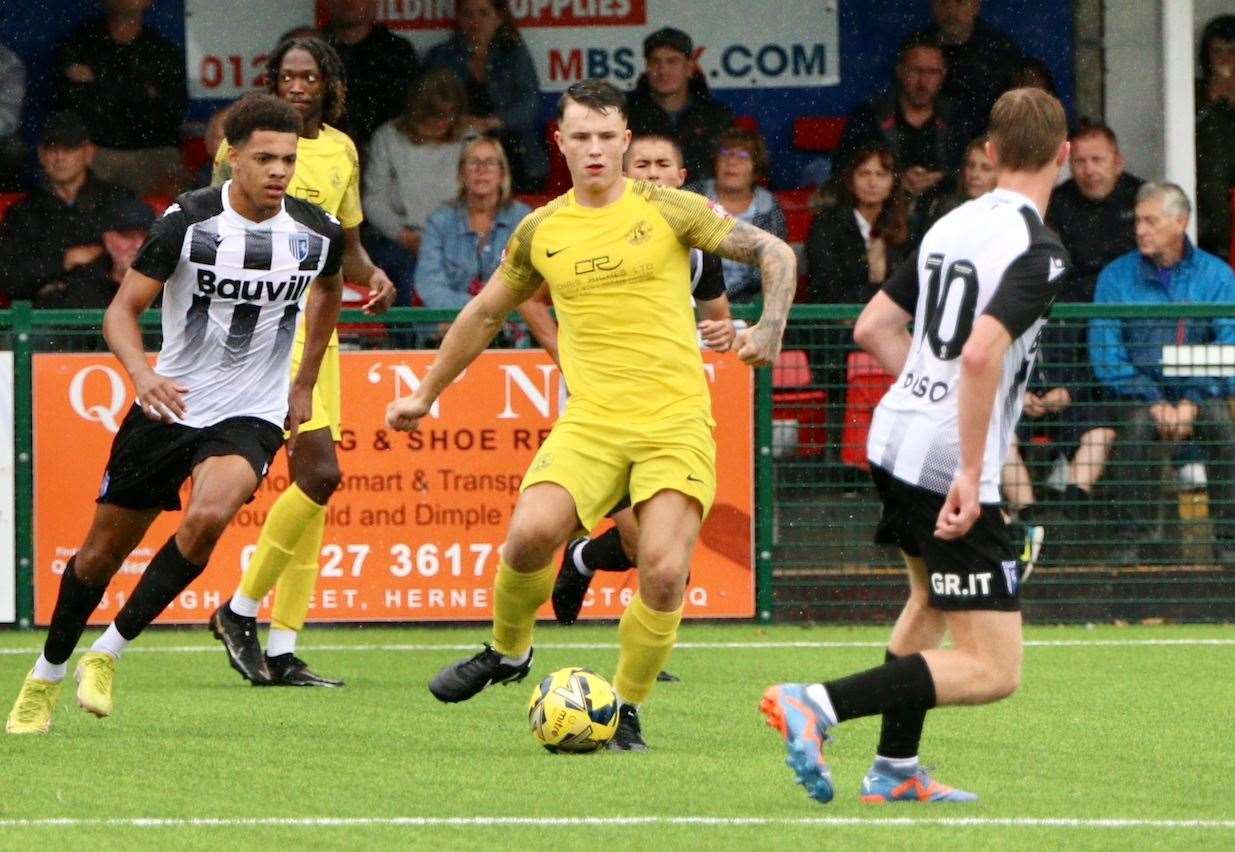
column 530, row 546
column 320, row 480
column 95, row 566
column 662, row 577
column 1000, row 681
column 202, row 527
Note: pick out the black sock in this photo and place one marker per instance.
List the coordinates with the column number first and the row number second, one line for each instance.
column 167, row 575
column 1076, row 502
column 902, row 729
column 904, row 684
column 73, row 606
column 605, row 553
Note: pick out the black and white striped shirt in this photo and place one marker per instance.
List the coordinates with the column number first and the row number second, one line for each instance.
column 992, row 256
column 233, row 290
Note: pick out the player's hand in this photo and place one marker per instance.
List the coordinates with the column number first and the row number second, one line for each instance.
column 160, row 398
column 299, row 410
column 759, row 345
column 960, row 509
column 405, row 413
column 381, row 293
column 718, row 335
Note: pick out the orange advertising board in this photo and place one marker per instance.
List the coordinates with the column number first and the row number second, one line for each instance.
column 413, row 532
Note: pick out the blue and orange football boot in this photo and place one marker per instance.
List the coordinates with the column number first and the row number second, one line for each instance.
column 880, row 787
column 805, row 728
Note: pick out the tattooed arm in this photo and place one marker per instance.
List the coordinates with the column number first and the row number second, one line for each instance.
column 759, row 345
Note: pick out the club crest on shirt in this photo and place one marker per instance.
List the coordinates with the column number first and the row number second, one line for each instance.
column 640, row 233
column 298, row 244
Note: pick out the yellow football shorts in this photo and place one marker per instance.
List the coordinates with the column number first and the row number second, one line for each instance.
column 327, row 393
column 601, row 461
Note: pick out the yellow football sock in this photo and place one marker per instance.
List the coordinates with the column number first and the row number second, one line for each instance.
column 516, row 597
column 646, row 638
column 290, row 520
column 295, row 587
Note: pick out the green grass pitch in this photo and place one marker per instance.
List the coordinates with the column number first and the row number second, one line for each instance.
column 1120, row 738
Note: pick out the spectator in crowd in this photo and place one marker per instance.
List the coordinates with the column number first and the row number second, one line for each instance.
column 212, row 139
column 1093, row 210
column 1059, row 407
column 1128, row 354
column 59, row 227
column 464, row 239
column 913, row 118
column 380, row 67
column 980, row 61
column 413, row 162
column 12, row 94
column 489, row 58
column 128, row 83
column 975, row 179
column 857, row 240
column 672, row 98
column 741, row 164
column 93, row 285
column 1215, row 136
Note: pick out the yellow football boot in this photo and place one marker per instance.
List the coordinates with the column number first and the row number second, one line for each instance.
column 94, row 676
column 35, row 703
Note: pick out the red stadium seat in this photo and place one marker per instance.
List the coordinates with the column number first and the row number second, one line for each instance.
column 746, row 122
column 1231, row 252
column 818, row 133
column 798, row 222
column 535, row 200
column 794, row 401
column 7, row 200
column 794, row 199
column 866, row 383
column 193, row 155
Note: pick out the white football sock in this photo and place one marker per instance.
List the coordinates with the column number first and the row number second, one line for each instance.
column 818, row 694
column 516, row 661
column 111, row 642
column 281, row 642
column 50, row 672
column 577, row 556
column 898, row 765
column 244, row 605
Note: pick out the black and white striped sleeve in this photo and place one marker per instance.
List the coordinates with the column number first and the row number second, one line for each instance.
column 160, row 253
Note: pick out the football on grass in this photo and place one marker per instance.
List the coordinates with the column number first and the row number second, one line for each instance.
column 573, row 710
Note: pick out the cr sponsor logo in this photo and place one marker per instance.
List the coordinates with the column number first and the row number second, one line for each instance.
column 100, row 400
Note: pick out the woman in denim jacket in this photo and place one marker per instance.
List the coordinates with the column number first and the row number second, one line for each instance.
column 490, row 59
column 463, row 241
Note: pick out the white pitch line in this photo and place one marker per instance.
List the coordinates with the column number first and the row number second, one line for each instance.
column 570, row 822
column 681, row 646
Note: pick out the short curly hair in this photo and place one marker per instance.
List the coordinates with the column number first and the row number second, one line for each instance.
column 328, row 62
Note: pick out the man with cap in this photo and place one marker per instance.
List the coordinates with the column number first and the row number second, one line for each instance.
column 93, row 285
column 59, row 227
column 672, row 99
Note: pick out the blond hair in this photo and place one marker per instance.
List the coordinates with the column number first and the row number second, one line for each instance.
column 506, row 191
column 1026, row 129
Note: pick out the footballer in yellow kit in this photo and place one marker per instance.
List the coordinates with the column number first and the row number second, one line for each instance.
column 640, row 410
column 307, row 73
column 615, row 255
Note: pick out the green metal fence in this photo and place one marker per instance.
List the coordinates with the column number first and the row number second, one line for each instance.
column 1130, row 526
column 1148, row 540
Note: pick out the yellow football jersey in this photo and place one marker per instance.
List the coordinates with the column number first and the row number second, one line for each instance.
column 327, row 173
column 619, row 276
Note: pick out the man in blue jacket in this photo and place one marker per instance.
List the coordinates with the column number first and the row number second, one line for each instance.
column 1127, row 356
